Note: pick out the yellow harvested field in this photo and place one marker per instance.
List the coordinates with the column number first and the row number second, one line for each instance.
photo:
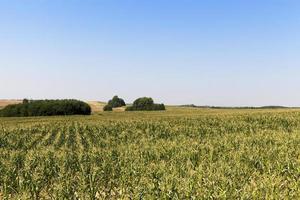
column 96, row 106
column 5, row 102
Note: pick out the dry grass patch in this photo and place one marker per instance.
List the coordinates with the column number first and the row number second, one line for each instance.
column 97, row 106
column 5, row 102
column 119, row 109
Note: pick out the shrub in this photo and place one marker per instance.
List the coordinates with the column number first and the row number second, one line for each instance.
column 145, row 103
column 25, row 101
column 159, row 107
column 107, row 108
column 46, row 108
column 116, row 102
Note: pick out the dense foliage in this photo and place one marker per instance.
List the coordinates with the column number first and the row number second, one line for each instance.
column 107, row 108
column 146, row 104
column 116, row 102
column 192, row 154
column 46, row 108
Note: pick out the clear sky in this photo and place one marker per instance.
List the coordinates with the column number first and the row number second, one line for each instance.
column 210, row 52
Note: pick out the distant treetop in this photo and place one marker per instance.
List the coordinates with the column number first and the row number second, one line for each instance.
column 25, row 101
column 146, row 104
column 115, row 102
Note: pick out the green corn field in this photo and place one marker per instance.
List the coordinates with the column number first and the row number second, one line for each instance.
column 177, row 154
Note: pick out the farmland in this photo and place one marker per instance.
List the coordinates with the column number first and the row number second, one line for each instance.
column 182, row 153
column 5, row 102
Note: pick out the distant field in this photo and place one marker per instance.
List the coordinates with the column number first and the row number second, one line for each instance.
column 96, row 106
column 181, row 153
column 4, row 103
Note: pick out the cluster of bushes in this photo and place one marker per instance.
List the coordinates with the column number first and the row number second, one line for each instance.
column 46, row 108
column 115, row 102
column 146, row 104
column 73, row 107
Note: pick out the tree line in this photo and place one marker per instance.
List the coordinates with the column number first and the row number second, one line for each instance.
column 73, row 107
column 46, row 108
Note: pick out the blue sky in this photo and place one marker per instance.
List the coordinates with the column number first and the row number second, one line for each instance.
column 214, row 52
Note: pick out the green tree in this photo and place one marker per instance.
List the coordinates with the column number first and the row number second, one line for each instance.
column 145, row 103
column 116, row 102
column 47, row 108
column 107, row 108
